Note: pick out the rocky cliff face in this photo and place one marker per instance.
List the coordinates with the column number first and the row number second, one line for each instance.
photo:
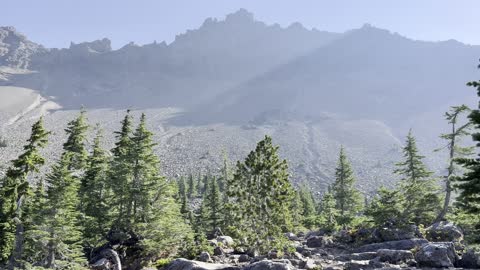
column 16, row 50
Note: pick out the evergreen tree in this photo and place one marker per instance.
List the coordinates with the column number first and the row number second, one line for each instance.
column 307, row 207
column 226, row 174
column 308, row 202
column 213, row 203
column 191, row 187
column 297, row 210
column 120, row 173
column 469, row 184
column 262, row 192
column 146, row 180
column 163, row 232
column 15, row 191
column 455, row 151
column 422, row 202
column 148, row 208
column 386, row 208
column 199, row 185
column 205, row 182
column 62, row 232
column 347, row 197
column 94, row 194
column 201, row 217
column 34, row 235
column 182, row 194
column 75, row 145
column 230, row 207
column 327, row 218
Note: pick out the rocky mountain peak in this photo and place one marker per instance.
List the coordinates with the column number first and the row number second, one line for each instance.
column 241, row 16
column 96, row 46
column 15, row 49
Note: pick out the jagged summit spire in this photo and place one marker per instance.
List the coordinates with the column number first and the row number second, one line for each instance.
column 242, row 15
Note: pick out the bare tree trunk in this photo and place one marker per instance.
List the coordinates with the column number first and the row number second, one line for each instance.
column 448, row 185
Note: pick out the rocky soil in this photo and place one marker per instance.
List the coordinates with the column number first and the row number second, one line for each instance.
column 441, row 246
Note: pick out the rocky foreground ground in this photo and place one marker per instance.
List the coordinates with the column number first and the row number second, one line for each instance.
column 439, row 246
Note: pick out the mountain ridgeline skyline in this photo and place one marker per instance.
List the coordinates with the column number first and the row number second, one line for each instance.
column 225, row 64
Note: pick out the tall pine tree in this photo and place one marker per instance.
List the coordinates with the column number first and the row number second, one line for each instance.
column 94, row 194
column 213, row 203
column 15, row 191
column 422, row 201
column 262, row 192
column 469, row 184
column 455, row 151
column 63, row 233
column 75, row 145
column 120, row 173
column 347, row 197
column 386, row 208
column 327, row 218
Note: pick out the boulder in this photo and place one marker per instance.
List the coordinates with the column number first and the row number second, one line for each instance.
column 268, row 265
column 444, row 231
column 212, row 243
column 392, row 233
column 183, row 264
column 310, row 265
column 470, row 259
column 218, row 251
column 204, row 257
column 358, row 265
column 102, row 264
column 406, row 244
column 343, row 236
column 364, row 256
column 225, row 240
column 319, row 241
column 394, row 256
column 437, row 255
column 272, row 255
column 244, row 258
column 291, row 236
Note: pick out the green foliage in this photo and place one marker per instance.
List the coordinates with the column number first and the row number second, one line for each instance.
column 15, row 191
column 348, row 198
column 469, row 184
column 298, row 220
column 470, row 224
column 75, row 145
column 261, row 193
column 455, row 150
column 145, row 203
column 120, row 173
column 327, row 219
column 162, row 262
column 308, row 202
column 386, row 208
column 213, row 206
column 36, row 209
column 422, row 201
column 182, row 193
column 191, row 187
column 94, row 195
column 61, row 232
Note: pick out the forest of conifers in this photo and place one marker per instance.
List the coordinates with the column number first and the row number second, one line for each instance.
column 94, row 199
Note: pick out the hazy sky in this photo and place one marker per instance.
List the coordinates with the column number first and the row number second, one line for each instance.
column 54, row 23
